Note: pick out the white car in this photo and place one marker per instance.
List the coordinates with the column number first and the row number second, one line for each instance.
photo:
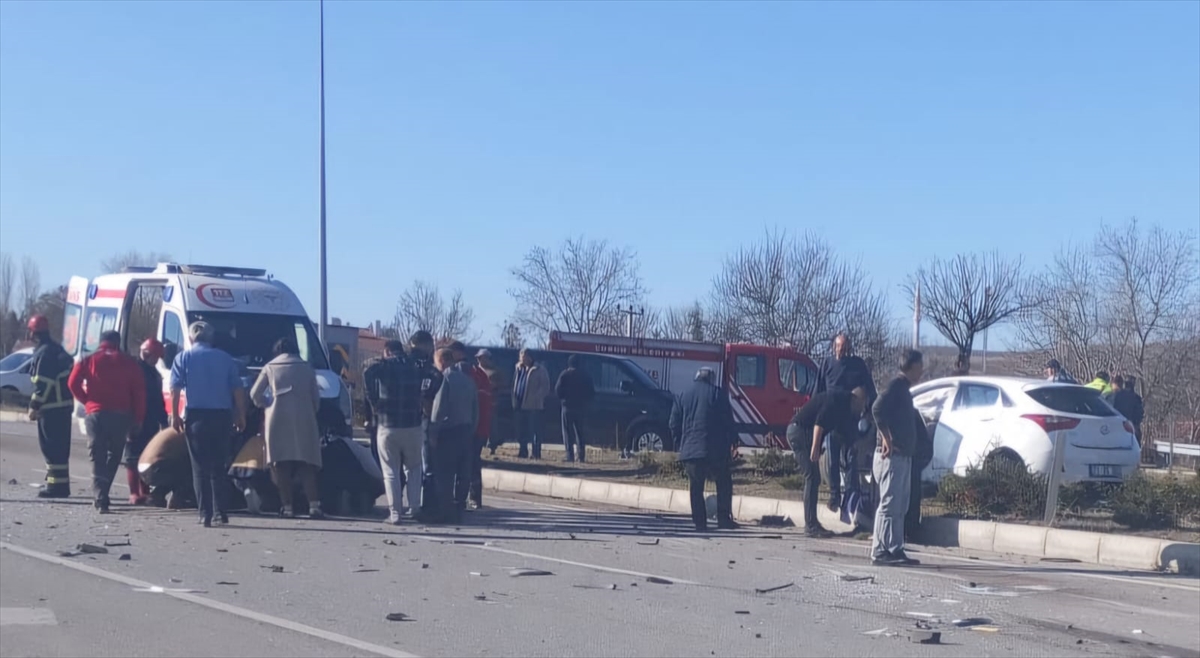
column 14, row 372
column 975, row 419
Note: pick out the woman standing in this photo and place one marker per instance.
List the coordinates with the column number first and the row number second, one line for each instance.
column 287, row 389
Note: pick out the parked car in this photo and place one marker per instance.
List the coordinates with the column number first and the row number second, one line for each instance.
column 974, row 420
column 628, row 406
column 14, row 372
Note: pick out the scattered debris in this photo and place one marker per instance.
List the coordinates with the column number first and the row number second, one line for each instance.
column 986, row 591
column 649, row 543
column 516, row 573
column 658, row 581
column 273, row 568
column 117, row 543
column 222, row 550
column 741, row 612
column 424, row 565
column 925, row 637
column 389, row 542
column 13, row 481
column 155, row 589
column 971, row 621
column 365, row 570
column 481, row 597
column 950, row 601
column 775, row 521
column 986, row 629
column 921, row 615
column 479, row 574
column 733, row 562
column 613, row 587
column 1138, row 631
column 18, row 523
column 125, row 557
column 571, row 535
column 91, row 549
column 851, row 578
column 176, row 580
column 923, row 625
column 67, row 553
column 226, row 582
column 398, row 616
column 758, row 636
column 880, row 631
column 768, row 590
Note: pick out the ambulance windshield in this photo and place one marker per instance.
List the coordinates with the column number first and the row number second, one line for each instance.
column 251, row 336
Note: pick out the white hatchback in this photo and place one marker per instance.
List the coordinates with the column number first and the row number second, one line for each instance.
column 977, row 419
column 14, row 372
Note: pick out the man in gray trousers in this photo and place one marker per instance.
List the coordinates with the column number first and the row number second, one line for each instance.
column 897, row 420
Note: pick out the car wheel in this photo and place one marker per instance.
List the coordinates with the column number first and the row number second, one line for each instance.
column 649, row 437
column 1004, row 459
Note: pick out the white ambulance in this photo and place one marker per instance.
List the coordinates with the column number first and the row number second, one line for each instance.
column 248, row 308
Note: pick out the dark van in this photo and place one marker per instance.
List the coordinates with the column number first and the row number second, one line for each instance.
column 629, row 410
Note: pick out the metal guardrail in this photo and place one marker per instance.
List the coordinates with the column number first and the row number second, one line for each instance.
column 1189, row 449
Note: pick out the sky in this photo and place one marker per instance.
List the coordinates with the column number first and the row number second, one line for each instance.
column 460, row 134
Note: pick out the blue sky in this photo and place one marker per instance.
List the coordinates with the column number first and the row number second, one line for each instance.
column 459, row 134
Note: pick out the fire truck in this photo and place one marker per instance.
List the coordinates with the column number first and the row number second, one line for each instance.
column 766, row 385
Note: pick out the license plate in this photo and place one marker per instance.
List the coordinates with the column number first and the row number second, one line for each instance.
column 1104, row 470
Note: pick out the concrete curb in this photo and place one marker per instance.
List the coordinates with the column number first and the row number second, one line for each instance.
column 13, row 417
column 1113, row 550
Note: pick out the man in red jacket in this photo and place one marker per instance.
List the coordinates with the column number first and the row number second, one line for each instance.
column 111, row 387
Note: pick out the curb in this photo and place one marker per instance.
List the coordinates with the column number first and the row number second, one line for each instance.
column 1113, row 550
column 13, row 417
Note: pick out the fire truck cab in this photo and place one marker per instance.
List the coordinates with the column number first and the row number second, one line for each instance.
column 766, row 385
column 248, row 308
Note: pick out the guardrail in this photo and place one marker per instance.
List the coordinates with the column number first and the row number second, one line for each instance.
column 1188, row 449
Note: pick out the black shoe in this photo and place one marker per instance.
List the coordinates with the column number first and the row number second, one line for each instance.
column 728, row 524
column 885, row 560
column 903, row 559
column 835, row 503
column 522, row 455
column 702, row 528
column 53, row 492
column 101, row 506
column 817, row 532
column 207, row 523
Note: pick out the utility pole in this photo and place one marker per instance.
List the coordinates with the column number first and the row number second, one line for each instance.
column 917, row 317
column 987, row 293
column 630, row 313
column 322, row 329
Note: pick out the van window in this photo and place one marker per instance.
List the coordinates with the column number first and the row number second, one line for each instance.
column 99, row 320
column 973, row 396
column 795, row 376
column 72, row 316
column 750, row 371
column 172, row 333
column 608, row 377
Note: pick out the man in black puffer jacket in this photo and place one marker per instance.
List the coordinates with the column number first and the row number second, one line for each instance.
column 702, row 426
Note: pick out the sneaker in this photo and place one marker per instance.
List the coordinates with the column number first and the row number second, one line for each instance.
column 315, row 513
column 475, row 505
column 885, row 560
column 207, row 523
column 101, row 506
column 902, row 558
column 286, row 512
column 223, row 518
column 817, row 532
column 393, row 518
column 407, row 512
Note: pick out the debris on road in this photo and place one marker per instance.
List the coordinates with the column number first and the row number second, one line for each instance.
column 881, row 631
column 851, row 578
column 775, row 521
column 424, row 565
column 649, row 543
column 91, row 549
column 480, row 574
column 13, row 481
column 398, row 616
column 758, row 636
column 117, row 543
column 986, row 591
column 516, row 573
column 658, row 581
column 971, row 621
column 125, row 557
column 364, row 571
column 389, row 542
column 925, row 637
column 155, row 589
column 481, row 597
column 68, row 553
column 1138, row 631
column 273, row 568
column 986, row 629
column 768, row 590
column 571, row 535
column 176, row 580
column 222, row 550
column 226, row 582
column 741, row 612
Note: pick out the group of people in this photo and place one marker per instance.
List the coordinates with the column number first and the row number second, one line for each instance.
column 1120, row 391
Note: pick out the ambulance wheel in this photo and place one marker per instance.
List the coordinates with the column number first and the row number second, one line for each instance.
column 648, row 436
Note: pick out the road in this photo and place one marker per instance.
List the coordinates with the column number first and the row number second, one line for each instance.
column 340, row 578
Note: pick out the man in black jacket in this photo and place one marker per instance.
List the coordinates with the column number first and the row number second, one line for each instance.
column 843, row 372
column 393, row 389
column 831, row 411
column 702, row 425
column 575, row 391
column 896, row 418
column 1127, row 402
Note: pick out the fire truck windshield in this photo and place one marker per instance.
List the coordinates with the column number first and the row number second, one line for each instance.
column 251, row 336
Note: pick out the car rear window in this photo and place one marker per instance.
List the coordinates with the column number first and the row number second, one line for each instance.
column 1072, row 400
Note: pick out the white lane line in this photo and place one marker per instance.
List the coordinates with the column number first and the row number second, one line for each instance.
column 27, row 617
column 286, row 624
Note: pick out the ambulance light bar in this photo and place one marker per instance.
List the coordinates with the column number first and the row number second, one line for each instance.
column 211, row 270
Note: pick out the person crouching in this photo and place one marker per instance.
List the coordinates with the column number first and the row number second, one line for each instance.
column 287, row 389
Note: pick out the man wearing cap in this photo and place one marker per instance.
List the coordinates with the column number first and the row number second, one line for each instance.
column 211, row 381
column 1056, row 373
column 51, row 406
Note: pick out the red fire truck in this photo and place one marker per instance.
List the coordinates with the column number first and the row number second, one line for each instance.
column 766, row 384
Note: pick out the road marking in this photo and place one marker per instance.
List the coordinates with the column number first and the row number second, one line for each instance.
column 27, row 617
column 286, row 624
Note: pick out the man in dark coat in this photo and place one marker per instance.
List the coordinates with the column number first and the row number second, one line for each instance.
column 702, row 426
column 1127, row 402
column 843, row 372
column 575, row 391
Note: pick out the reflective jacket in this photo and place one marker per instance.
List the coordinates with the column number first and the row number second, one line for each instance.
column 51, row 366
column 1100, row 385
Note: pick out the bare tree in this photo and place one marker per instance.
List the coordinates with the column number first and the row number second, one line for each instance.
column 133, row 258
column 31, row 285
column 964, row 296
column 577, row 287
column 797, row 291
column 510, row 336
column 422, row 306
column 682, row 323
column 8, row 282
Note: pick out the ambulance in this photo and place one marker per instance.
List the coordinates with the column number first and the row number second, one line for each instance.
column 248, row 309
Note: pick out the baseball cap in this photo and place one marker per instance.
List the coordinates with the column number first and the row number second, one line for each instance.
column 482, row 353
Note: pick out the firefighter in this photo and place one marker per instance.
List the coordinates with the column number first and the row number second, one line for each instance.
column 51, row 406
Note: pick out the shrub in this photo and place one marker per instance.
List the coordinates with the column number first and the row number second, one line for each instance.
column 661, row 464
column 997, row 489
column 792, row 482
column 1147, row 502
column 773, row 462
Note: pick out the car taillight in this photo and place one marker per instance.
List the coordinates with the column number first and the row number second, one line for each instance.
column 1053, row 423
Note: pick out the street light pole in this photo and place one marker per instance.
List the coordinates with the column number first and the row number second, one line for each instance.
column 323, row 328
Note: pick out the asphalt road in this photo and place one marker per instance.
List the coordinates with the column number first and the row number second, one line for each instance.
column 220, row 593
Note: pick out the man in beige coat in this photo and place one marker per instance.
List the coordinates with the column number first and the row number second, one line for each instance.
column 531, row 386
column 287, row 389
